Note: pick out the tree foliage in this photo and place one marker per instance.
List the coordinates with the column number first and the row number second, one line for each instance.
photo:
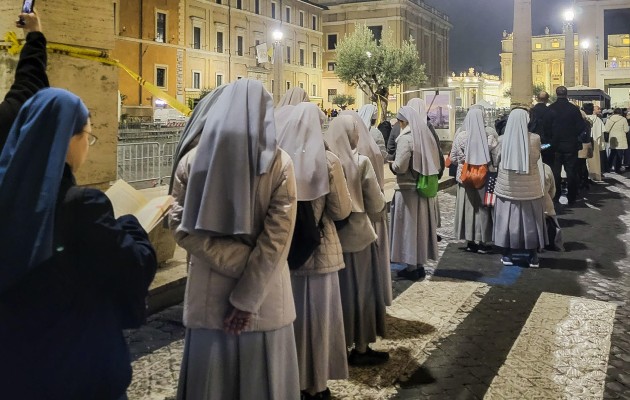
column 343, row 100
column 374, row 66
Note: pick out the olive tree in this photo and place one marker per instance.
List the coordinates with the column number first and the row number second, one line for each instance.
column 343, row 100
column 375, row 66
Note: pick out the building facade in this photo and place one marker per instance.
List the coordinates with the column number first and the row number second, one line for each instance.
column 150, row 42
column 548, row 64
column 221, row 39
column 608, row 63
column 407, row 19
column 548, row 56
column 187, row 47
column 473, row 87
column 604, row 63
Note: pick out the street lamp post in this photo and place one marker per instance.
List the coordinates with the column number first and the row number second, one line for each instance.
column 585, row 46
column 569, row 49
column 278, row 64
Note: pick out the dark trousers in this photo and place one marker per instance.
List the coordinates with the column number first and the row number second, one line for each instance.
column 548, row 157
column 614, row 159
column 582, row 173
column 569, row 162
column 603, row 161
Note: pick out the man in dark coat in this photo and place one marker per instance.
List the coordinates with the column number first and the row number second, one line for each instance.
column 566, row 124
column 391, row 141
column 30, row 74
column 538, row 117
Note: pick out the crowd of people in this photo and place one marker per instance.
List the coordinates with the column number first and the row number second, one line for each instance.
column 285, row 224
column 289, row 274
column 72, row 276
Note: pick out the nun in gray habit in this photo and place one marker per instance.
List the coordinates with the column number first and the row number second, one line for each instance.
column 520, row 207
column 234, row 212
column 414, row 218
column 293, row 97
column 368, row 114
column 363, row 307
column 319, row 333
column 473, row 221
column 368, row 146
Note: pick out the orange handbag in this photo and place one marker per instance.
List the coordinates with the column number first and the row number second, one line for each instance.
column 474, row 176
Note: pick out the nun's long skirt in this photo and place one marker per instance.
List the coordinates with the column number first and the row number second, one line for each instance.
column 385, row 273
column 319, row 333
column 473, row 221
column 362, row 302
column 253, row 365
column 413, row 228
column 520, row 224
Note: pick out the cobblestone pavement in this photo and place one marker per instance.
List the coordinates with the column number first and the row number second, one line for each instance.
column 470, row 352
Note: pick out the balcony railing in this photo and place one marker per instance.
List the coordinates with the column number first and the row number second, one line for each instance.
column 614, row 64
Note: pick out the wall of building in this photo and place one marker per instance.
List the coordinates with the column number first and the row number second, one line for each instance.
column 78, row 23
column 216, row 67
column 472, row 87
column 592, row 28
column 140, row 47
column 602, row 72
column 407, row 19
column 548, row 53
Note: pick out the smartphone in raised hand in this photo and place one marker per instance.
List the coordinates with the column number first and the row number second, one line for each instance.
column 27, row 8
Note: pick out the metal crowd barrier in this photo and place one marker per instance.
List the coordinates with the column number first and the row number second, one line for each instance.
column 146, row 164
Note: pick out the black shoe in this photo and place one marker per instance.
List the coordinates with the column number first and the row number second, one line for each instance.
column 485, row 249
column 415, row 275
column 507, row 261
column 472, row 247
column 370, row 357
column 325, row 395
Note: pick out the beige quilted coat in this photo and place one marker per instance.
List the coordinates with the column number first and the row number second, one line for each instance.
column 335, row 206
column 513, row 186
column 248, row 272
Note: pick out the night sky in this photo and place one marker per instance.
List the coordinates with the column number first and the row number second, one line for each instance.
column 475, row 40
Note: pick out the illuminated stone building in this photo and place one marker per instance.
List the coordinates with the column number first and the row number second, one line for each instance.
column 472, row 87
column 407, row 18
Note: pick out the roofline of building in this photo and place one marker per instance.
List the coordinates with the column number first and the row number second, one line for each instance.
column 310, row 3
column 419, row 3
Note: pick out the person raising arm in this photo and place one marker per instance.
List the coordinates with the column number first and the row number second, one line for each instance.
column 30, row 74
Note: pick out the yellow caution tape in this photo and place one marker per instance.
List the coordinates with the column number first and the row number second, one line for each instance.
column 100, row 56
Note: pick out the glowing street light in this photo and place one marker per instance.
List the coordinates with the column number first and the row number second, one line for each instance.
column 585, row 44
column 569, row 15
column 277, row 35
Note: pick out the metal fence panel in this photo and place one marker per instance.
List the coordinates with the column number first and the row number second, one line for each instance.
column 140, row 162
column 168, row 152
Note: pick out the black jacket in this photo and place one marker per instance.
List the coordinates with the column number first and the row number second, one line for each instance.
column 566, row 123
column 391, row 140
column 392, row 144
column 30, row 76
column 62, row 325
column 537, row 120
